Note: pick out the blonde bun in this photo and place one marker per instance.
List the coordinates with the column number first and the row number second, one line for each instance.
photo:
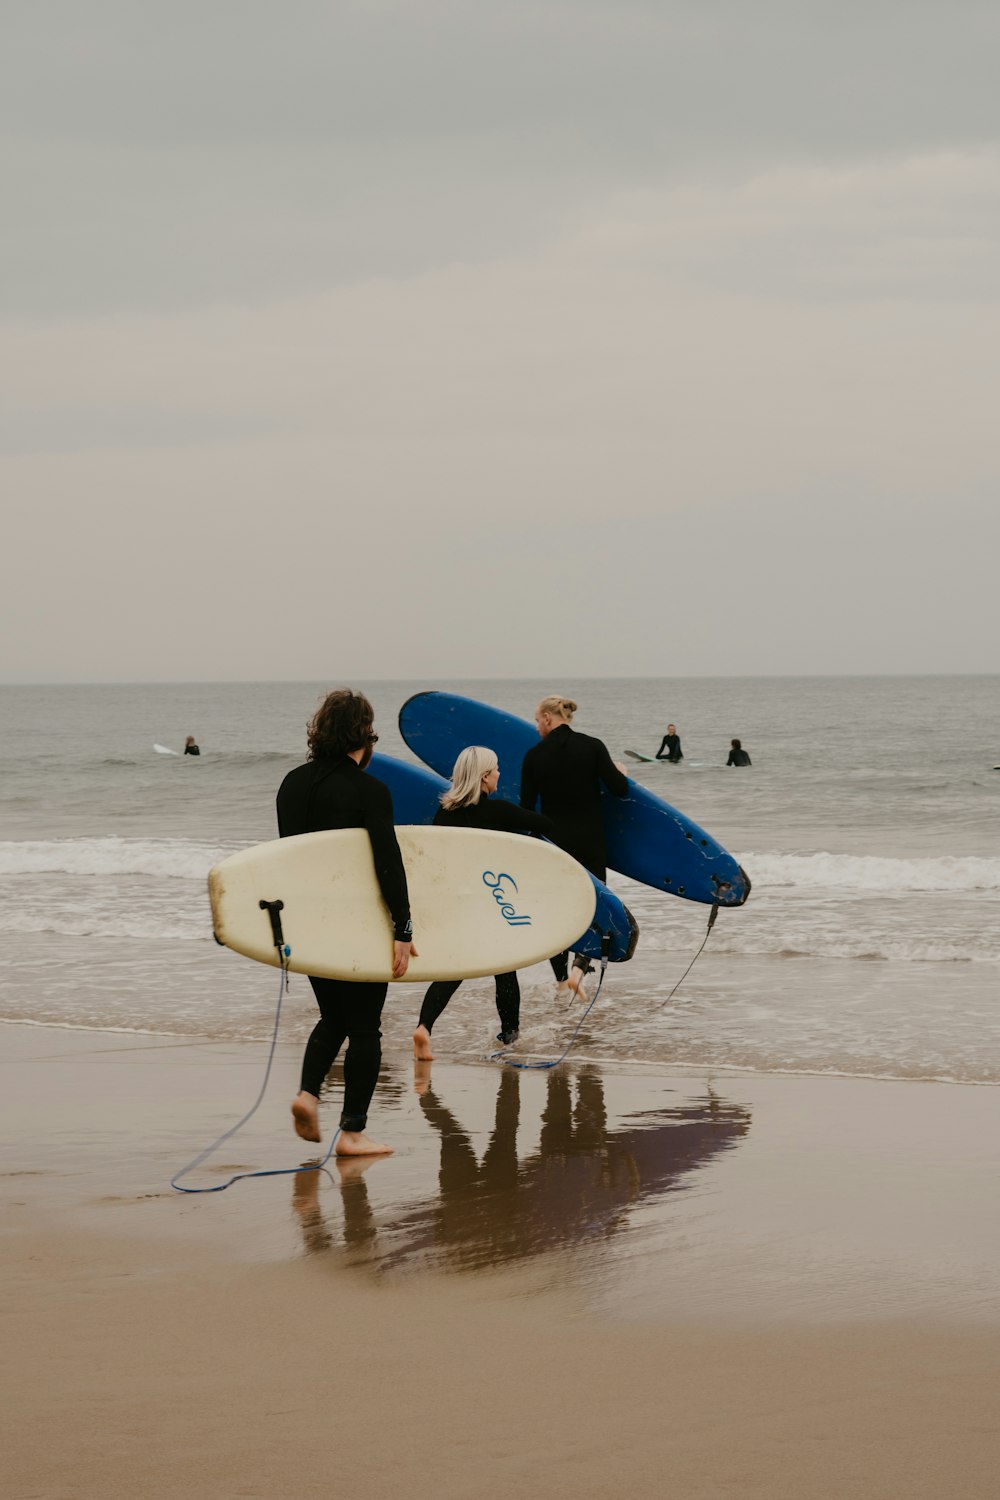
column 559, row 708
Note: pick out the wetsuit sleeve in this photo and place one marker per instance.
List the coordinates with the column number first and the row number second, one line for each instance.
column 615, row 781
column 284, row 808
column 377, row 803
column 529, row 782
column 659, row 753
column 510, row 819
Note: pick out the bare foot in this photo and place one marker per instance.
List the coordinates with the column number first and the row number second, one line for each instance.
column 422, row 1045
column 351, row 1168
column 305, row 1114
column 421, row 1076
column 575, row 983
column 356, row 1143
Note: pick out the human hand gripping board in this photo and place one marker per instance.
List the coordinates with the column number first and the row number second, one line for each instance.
column 646, row 838
column 416, row 796
column 482, row 903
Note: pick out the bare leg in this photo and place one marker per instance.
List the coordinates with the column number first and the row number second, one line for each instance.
column 356, row 1143
column 305, row 1115
column 422, row 1050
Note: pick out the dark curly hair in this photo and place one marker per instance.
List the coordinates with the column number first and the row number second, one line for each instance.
column 344, row 721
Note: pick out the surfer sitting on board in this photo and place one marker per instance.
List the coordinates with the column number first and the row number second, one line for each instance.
column 671, row 741
column 330, row 791
column 737, row 755
column 190, row 748
column 470, row 804
column 566, row 771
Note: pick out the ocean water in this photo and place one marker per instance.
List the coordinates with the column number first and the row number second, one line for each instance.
column 869, row 824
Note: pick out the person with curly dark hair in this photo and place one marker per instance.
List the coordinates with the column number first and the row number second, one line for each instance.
column 331, row 791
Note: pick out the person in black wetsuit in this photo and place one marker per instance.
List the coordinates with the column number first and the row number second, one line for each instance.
column 566, row 771
column 190, row 748
column 737, row 755
column 332, row 791
column 671, row 742
column 470, row 804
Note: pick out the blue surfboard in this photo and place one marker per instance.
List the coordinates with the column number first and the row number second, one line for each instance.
column 646, row 838
column 416, row 797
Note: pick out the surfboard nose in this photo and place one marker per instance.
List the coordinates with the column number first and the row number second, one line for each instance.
column 733, row 892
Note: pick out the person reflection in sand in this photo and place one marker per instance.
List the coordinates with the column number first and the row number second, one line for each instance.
column 359, row 1229
column 579, row 1183
column 577, row 1187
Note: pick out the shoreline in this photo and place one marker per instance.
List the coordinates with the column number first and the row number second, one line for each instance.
column 470, row 1058
column 767, row 1285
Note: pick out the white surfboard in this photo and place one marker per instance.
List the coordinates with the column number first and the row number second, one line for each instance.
column 164, row 750
column 481, row 903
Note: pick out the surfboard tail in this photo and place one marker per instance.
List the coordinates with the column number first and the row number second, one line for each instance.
column 618, row 928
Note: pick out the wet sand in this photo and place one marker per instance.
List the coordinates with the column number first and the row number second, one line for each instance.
column 578, row 1284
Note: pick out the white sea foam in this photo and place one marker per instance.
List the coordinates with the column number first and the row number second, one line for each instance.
column 108, row 924
column 181, row 859
column 187, row 859
column 872, row 873
column 870, row 947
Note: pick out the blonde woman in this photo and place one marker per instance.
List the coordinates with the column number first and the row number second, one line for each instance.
column 565, row 772
column 469, row 803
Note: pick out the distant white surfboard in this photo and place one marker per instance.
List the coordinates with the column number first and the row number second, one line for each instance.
column 481, row 902
column 163, row 750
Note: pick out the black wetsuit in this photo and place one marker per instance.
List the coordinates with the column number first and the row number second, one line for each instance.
column 494, row 813
column 191, row 750
column 739, row 758
column 674, row 751
column 338, row 794
column 565, row 770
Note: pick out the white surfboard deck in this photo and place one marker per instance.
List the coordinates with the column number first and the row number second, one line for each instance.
column 481, row 903
column 164, row 750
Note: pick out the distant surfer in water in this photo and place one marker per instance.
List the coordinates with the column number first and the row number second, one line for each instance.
column 190, row 748
column 469, row 803
column 671, row 742
column 330, row 791
column 737, row 755
column 566, row 771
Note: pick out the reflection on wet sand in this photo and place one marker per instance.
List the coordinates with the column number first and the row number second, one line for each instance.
column 578, row 1186
column 359, row 1229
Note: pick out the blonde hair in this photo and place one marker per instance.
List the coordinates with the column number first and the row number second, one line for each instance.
column 559, row 708
column 472, row 765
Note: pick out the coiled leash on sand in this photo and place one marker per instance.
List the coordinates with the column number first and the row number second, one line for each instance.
column 509, row 1062
column 273, row 909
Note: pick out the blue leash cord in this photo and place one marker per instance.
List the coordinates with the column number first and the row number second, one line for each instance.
column 555, row 1061
column 272, row 1171
column 524, row 1066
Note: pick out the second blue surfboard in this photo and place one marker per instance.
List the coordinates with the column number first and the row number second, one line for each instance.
column 646, row 838
column 416, row 797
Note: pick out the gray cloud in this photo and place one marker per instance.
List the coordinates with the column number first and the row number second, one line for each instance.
column 203, row 152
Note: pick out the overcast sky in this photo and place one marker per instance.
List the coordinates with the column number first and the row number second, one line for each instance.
column 477, row 337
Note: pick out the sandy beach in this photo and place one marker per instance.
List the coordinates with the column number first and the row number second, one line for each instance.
column 580, row 1284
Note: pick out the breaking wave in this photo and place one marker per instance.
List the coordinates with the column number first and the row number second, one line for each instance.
column 181, row 859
